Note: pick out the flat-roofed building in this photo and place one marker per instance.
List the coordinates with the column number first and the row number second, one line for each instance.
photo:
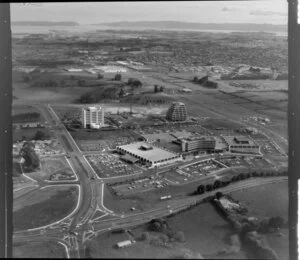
column 149, row 154
column 93, row 117
column 198, row 143
column 241, row 144
column 176, row 112
column 124, row 243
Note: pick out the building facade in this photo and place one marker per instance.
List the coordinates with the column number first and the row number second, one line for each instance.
column 198, row 143
column 93, row 117
column 176, row 112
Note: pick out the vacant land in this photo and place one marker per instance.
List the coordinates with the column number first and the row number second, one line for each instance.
column 265, row 201
column 44, row 206
column 269, row 201
column 45, row 250
column 205, row 234
column 28, row 133
column 53, row 169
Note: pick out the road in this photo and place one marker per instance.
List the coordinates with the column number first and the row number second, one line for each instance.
column 79, row 227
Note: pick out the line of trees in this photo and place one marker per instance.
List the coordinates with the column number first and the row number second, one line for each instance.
column 242, row 176
column 158, row 88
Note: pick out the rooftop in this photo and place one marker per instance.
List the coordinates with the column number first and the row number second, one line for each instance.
column 155, row 154
column 231, row 140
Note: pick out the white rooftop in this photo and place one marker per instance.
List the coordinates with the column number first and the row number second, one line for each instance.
column 155, row 154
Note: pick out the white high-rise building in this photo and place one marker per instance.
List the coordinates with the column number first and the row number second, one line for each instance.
column 93, row 117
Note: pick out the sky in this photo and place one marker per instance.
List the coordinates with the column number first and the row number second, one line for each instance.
column 267, row 11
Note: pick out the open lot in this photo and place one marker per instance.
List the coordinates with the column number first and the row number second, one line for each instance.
column 44, row 206
column 265, row 201
column 45, row 250
column 99, row 140
column 53, row 169
column 270, row 200
column 28, row 133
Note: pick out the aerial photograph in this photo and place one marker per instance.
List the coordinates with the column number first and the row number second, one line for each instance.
column 150, row 130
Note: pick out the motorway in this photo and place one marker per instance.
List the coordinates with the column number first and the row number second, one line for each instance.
column 73, row 231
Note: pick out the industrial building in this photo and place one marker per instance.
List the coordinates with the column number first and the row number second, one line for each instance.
column 241, row 144
column 148, row 154
column 93, row 117
column 176, row 112
column 198, row 143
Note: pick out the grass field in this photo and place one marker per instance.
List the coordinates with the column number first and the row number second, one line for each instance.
column 38, row 250
column 269, row 201
column 139, row 250
column 23, row 109
column 44, row 207
column 265, row 201
column 29, row 133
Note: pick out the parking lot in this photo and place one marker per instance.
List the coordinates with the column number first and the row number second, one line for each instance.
column 251, row 162
column 141, row 185
column 193, row 171
column 109, row 165
column 193, row 128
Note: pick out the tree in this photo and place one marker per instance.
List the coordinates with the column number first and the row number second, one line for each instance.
column 40, row 135
column 32, row 161
column 217, row 184
column 242, row 176
column 118, row 77
column 276, row 222
column 121, row 93
column 234, row 179
column 87, row 98
column 161, row 89
column 100, row 76
column 155, row 88
column 195, row 79
column 248, row 175
column 208, row 187
column 219, row 195
column 201, row 189
column 27, row 78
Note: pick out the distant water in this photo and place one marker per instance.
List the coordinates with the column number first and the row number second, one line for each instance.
column 90, row 28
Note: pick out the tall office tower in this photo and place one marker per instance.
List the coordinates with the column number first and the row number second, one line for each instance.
column 176, row 112
column 93, row 117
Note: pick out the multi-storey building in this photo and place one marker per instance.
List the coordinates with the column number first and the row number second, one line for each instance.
column 93, row 117
column 176, row 112
column 198, row 143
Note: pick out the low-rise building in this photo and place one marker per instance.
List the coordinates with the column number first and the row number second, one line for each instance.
column 124, row 243
column 149, row 154
column 241, row 144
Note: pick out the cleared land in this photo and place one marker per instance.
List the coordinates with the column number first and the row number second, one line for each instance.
column 53, row 169
column 44, row 206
